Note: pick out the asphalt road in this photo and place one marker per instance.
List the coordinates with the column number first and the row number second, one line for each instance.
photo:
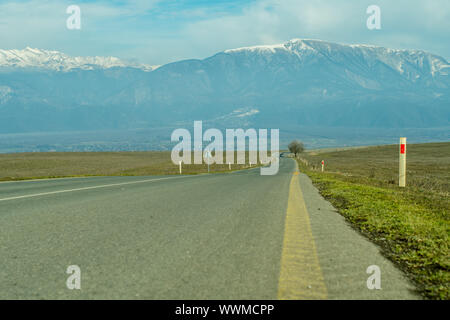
column 218, row 236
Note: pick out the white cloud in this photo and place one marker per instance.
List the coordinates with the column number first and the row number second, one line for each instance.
column 406, row 24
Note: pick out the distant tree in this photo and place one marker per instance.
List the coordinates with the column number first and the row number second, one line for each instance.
column 296, row 147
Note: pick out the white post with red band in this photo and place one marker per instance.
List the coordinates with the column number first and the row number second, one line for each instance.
column 402, row 163
column 323, row 165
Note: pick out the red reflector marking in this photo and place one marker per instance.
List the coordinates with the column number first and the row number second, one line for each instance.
column 402, row 148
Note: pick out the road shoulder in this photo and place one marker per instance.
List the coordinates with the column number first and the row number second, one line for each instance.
column 345, row 254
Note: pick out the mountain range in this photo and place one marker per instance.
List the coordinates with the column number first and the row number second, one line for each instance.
column 297, row 83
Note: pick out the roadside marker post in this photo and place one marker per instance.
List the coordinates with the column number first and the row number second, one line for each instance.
column 180, row 166
column 229, row 166
column 402, row 163
column 323, row 165
column 208, row 156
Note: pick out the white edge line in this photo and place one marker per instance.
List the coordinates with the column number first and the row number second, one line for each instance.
column 52, row 179
column 89, row 188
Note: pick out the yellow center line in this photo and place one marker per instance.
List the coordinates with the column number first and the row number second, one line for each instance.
column 300, row 274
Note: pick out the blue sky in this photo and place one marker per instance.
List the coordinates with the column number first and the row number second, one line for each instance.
column 162, row 31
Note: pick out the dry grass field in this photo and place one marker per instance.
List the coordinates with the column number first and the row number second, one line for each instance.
column 20, row 166
column 428, row 165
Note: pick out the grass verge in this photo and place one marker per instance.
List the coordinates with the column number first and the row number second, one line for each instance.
column 411, row 225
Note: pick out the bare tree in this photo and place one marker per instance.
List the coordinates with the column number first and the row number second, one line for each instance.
column 296, row 147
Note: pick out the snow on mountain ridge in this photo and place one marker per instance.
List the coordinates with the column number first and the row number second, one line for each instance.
column 412, row 64
column 58, row 61
column 257, row 48
column 401, row 60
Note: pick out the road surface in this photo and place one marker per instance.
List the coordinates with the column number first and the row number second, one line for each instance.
column 219, row 236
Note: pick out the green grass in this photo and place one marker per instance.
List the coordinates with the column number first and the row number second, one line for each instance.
column 412, row 225
column 23, row 166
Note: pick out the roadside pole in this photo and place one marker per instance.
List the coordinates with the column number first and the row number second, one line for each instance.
column 208, row 157
column 229, row 166
column 402, row 163
column 180, row 166
column 323, row 165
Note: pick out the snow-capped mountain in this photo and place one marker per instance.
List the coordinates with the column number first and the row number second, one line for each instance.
column 297, row 83
column 411, row 63
column 364, row 66
column 55, row 60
